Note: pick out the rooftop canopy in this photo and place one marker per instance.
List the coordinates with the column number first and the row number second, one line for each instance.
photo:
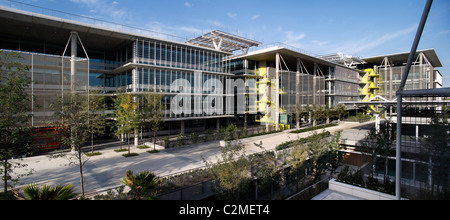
column 400, row 59
column 220, row 40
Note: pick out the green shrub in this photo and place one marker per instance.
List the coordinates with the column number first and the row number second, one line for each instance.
column 143, row 147
column 130, row 154
column 152, row 151
column 300, row 141
column 313, row 128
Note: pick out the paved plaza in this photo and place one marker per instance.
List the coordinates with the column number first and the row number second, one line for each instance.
column 106, row 171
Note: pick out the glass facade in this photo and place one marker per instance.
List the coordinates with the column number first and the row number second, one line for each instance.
column 170, row 83
column 50, row 75
column 173, row 69
column 390, row 78
column 164, row 54
column 139, row 66
column 342, row 85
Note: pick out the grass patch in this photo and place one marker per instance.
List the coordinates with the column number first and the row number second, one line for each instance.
column 143, row 147
column 313, row 128
column 93, row 154
column 130, row 154
column 120, row 150
column 153, row 151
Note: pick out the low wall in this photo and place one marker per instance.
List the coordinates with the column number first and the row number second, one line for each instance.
column 358, row 191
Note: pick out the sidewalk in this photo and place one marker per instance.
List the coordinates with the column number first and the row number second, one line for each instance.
column 106, row 171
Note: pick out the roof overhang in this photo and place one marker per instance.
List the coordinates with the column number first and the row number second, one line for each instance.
column 102, row 35
column 401, row 58
column 289, row 56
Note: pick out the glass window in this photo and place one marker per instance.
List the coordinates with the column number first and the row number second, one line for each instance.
column 129, row 77
column 152, row 77
column 173, row 78
column 140, row 49
column 179, row 57
column 194, row 59
column 173, row 52
column 158, row 53
column 146, row 51
column 145, row 77
column 110, row 81
column 158, row 79
column 152, row 51
column 186, row 57
column 163, row 53
column 163, row 80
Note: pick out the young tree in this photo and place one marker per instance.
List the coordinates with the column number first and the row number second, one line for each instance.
column 315, row 153
column 299, row 111
column 340, row 111
column 97, row 116
column 328, row 112
column 151, row 113
column 297, row 159
column 127, row 117
column 315, row 112
column 264, row 170
column 15, row 108
column 317, row 147
column 72, row 112
column 231, row 171
column 378, row 144
column 333, row 156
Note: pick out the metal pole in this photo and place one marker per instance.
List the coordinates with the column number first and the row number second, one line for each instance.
column 398, row 162
column 415, row 44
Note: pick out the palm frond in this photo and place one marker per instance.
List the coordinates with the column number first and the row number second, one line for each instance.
column 32, row 192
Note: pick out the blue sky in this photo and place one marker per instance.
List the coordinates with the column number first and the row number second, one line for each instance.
column 363, row 28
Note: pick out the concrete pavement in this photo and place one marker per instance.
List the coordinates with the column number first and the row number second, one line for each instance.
column 106, row 171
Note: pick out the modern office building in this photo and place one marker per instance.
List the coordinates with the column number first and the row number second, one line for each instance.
column 383, row 74
column 303, row 80
column 206, row 82
column 63, row 54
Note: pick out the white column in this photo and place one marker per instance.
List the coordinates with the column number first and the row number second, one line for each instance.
column 135, row 81
column 417, row 133
column 73, row 64
column 277, row 92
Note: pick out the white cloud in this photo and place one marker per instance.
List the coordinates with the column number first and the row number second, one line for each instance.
column 187, row 5
column 215, row 23
column 177, row 31
column 444, row 32
column 255, row 17
column 320, row 43
column 85, row 1
column 293, row 39
column 192, row 30
column 369, row 43
column 103, row 8
column 232, row 15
